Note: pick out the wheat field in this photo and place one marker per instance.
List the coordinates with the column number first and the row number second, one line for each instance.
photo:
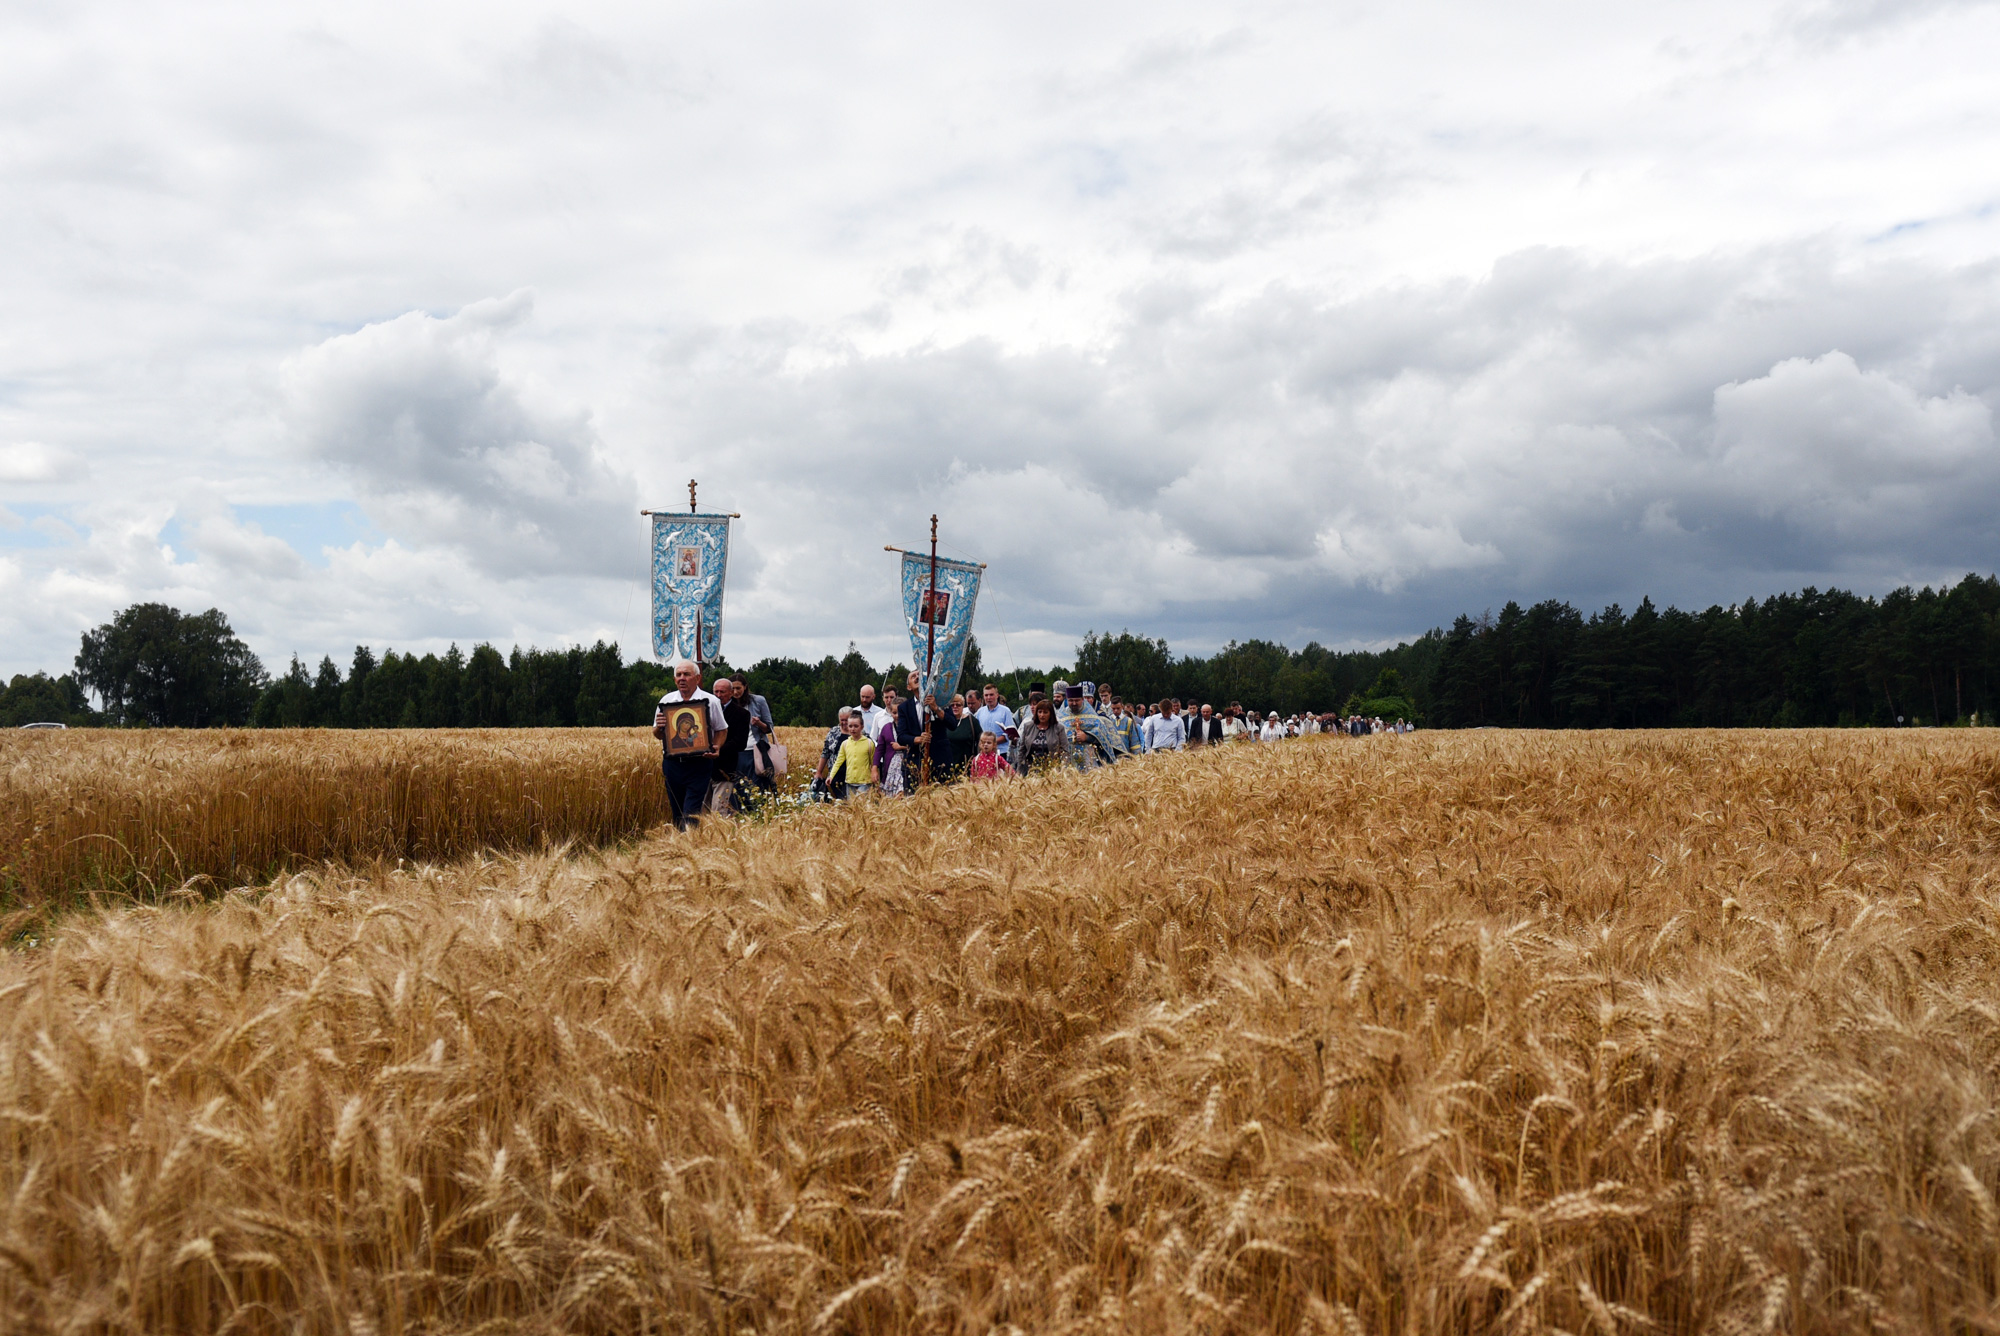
column 144, row 812
column 1449, row 1033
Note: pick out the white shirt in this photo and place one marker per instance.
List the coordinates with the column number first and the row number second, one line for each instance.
column 871, row 720
column 1165, row 732
column 996, row 719
column 1273, row 732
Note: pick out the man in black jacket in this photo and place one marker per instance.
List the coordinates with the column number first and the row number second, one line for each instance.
column 1205, row 729
column 912, row 732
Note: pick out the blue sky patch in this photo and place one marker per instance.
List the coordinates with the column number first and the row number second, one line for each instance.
column 311, row 527
column 18, row 528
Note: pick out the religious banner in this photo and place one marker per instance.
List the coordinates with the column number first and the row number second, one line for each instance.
column 690, row 553
column 950, row 612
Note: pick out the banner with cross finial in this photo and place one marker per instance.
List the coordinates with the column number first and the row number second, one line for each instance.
column 690, row 557
column 938, row 598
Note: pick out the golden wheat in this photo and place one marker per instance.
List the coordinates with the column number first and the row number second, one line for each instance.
column 1487, row 1032
column 142, row 811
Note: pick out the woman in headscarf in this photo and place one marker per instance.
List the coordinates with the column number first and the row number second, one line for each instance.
column 1044, row 741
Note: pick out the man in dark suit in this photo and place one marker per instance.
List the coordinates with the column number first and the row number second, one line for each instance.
column 913, row 731
column 1205, row 729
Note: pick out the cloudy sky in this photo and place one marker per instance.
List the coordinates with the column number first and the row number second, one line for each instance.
column 380, row 323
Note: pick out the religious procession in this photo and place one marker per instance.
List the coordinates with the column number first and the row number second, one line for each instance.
column 718, row 748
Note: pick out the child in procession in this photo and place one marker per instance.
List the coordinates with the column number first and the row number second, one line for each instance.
column 853, row 773
column 989, row 764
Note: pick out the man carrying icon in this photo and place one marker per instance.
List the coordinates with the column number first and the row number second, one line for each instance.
column 688, row 749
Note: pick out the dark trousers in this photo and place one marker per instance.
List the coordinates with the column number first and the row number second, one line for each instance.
column 746, row 768
column 688, row 778
column 729, row 770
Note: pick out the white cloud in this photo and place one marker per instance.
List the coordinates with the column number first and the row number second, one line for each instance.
column 1856, row 457
column 31, row 461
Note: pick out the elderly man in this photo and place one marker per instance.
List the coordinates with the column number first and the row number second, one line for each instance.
column 1205, row 730
column 688, row 776
column 728, row 761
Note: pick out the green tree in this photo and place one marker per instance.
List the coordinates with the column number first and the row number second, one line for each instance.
column 38, row 698
column 788, row 686
column 840, row 683
column 1137, row 668
column 287, row 702
column 971, row 669
column 1386, row 698
column 154, row 665
column 326, row 694
column 443, row 688
column 483, row 692
column 390, row 694
column 598, row 699
column 352, row 714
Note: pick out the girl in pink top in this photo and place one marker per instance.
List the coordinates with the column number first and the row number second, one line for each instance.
column 989, row 764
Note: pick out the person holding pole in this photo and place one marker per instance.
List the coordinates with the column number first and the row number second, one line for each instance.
column 913, row 733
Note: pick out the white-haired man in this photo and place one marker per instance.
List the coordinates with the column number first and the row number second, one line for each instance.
column 688, row 775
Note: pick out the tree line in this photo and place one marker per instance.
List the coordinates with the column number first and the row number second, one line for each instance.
column 1827, row 658
column 153, row 666
column 1810, row 658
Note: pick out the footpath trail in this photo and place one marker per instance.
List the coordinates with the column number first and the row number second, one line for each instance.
column 1457, row 1032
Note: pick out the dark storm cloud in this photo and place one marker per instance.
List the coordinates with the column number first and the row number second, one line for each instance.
column 1565, row 426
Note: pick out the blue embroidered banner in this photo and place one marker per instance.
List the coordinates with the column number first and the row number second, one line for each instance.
column 957, row 591
column 690, row 554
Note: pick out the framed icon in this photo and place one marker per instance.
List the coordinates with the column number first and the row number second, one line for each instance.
column 688, row 564
column 935, row 607
column 687, row 727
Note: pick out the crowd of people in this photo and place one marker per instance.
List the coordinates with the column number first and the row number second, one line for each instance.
column 895, row 745
column 892, row 747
